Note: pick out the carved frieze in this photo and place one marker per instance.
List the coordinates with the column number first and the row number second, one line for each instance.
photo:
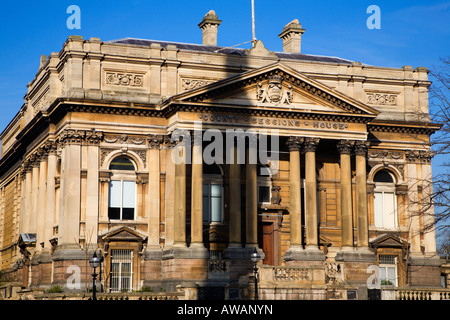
column 124, row 79
column 41, row 102
column 382, row 98
column 190, row 84
column 124, row 138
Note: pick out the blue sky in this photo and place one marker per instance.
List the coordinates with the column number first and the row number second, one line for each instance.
column 413, row 32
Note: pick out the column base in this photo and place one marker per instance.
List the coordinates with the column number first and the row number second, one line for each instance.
column 310, row 253
column 360, row 254
column 424, row 270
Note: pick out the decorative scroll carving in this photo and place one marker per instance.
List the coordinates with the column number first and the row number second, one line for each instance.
column 190, row 84
column 382, row 99
column 155, row 141
column 125, row 79
column 294, row 143
column 104, row 152
column 273, row 92
column 385, row 154
column 124, row 138
column 42, row 101
column 93, row 137
column 71, row 136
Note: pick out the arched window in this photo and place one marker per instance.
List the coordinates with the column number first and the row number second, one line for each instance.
column 385, row 204
column 122, row 189
column 212, row 194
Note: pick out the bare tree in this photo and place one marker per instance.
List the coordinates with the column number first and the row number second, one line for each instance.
column 440, row 113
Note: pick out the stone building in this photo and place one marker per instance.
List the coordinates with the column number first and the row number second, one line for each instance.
column 91, row 161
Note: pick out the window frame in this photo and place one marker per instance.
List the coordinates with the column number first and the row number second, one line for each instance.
column 212, row 179
column 385, row 190
column 123, row 176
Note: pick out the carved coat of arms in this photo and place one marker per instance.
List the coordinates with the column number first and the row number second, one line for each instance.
column 274, row 93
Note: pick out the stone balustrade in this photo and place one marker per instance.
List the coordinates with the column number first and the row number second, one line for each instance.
column 415, row 294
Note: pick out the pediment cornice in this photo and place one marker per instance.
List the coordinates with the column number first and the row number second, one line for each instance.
column 330, row 100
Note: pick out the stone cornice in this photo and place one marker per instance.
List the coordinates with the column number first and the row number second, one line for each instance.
column 404, row 127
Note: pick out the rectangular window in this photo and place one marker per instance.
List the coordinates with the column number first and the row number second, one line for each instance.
column 264, row 194
column 385, row 211
column 121, row 270
column 122, row 200
column 388, row 270
column 212, row 202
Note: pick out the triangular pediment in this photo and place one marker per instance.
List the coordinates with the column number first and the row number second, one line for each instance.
column 389, row 240
column 274, row 87
column 123, row 234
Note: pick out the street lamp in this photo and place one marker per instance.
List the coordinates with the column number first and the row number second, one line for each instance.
column 255, row 256
column 95, row 263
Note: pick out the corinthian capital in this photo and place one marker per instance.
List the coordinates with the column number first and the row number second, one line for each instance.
column 361, row 147
column 311, row 144
column 294, row 143
column 345, row 146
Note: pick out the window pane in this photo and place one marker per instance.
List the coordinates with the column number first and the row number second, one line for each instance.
column 129, row 189
column 264, row 194
column 216, row 190
column 391, row 274
column 128, row 214
column 114, row 193
column 378, row 206
column 382, row 273
column 121, row 163
column 114, row 213
column 216, row 209
column 389, row 210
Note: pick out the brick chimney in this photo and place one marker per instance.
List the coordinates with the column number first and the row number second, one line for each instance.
column 209, row 26
column 292, row 37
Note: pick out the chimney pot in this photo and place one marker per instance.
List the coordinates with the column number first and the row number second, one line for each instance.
column 209, row 26
column 292, row 36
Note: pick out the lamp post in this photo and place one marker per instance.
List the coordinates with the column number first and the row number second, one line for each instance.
column 255, row 256
column 95, row 263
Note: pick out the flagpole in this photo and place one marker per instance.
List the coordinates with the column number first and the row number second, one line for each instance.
column 253, row 22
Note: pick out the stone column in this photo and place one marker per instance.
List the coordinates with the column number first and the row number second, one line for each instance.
column 43, row 165
column 344, row 147
column 34, row 196
column 235, row 203
column 93, row 139
column 311, row 225
column 51, row 195
column 197, row 192
column 180, row 197
column 362, row 235
column 27, row 199
column 154, row 192
column 294, row 144
column 251, row 212
column 69, row 215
